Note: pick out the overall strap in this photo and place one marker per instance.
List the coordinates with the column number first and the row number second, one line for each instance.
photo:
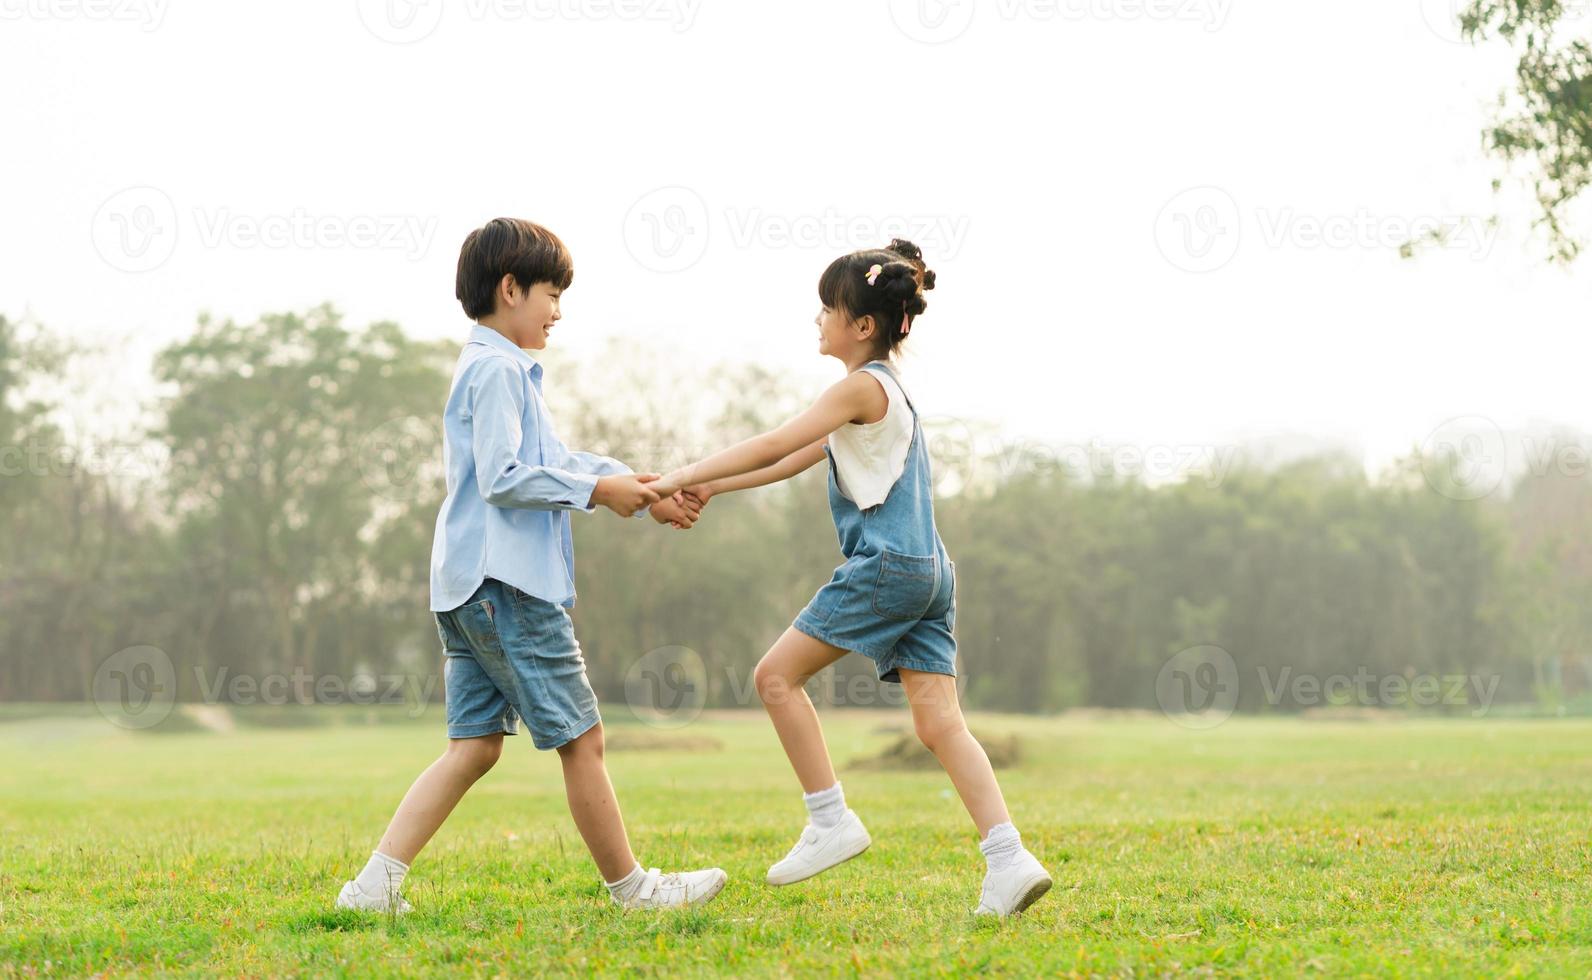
column 890, row 372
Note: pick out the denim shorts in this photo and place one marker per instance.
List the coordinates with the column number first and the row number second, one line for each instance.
column 897, row 610
column 507, row 653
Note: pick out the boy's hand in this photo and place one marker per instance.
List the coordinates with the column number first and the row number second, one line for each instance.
column 676, row 512
column 624, row 495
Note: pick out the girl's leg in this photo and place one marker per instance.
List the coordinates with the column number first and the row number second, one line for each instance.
column 436, row 792
column 937, row 716
column 790, row 663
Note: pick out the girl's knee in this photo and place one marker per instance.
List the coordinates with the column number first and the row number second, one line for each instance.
column 772, row 684
column 936, row 730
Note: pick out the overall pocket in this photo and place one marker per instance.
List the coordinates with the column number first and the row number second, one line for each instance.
column 906, row 585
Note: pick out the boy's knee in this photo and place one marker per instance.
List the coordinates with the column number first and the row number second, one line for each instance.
column 476, row 756
column 586, row 746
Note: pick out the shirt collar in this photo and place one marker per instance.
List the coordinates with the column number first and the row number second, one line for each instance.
column 486, row 335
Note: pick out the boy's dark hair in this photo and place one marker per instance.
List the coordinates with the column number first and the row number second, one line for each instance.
column 508, row 247
column 894, row 298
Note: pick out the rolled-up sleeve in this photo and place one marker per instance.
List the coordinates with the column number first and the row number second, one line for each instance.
column 497, row 406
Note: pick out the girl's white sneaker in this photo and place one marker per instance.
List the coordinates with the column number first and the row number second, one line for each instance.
column 354, row 897
column 1014, row 887
column 820, row 850
column 676, row 889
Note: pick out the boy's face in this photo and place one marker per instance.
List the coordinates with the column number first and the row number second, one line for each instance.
column 528, row 315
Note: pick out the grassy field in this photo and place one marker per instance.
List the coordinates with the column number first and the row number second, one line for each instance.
column 1263, row 847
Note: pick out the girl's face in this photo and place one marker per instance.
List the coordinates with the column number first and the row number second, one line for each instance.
column 841, row 336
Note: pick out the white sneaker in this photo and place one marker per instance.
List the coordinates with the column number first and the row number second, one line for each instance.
column 680, row 888
column 354, row 897
column 820, row 850
column 1014, row 888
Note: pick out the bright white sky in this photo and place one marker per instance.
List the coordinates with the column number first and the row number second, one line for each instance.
column 1040, row 153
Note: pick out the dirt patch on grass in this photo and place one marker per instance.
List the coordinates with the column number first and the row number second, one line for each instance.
column 906, row 752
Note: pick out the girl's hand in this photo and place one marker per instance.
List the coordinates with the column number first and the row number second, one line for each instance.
column 699, row 494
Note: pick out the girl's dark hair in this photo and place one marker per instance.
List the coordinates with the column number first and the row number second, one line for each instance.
column 895, row 297
column 508, row 246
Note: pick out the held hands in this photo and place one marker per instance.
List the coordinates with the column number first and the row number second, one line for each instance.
column 625, row 494
column 678, row 511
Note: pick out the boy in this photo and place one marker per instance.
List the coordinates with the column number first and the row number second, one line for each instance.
column 502, row 575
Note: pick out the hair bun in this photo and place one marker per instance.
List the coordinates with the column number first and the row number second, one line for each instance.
column 905, row 249
column 928, row 278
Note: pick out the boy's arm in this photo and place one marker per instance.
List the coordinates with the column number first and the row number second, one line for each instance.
column 857, row 395
column 497, row 403
column 600, row 466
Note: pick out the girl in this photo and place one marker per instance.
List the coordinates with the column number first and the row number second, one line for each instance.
column 894, row 598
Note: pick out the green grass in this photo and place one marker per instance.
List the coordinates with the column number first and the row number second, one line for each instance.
column 1263, row 847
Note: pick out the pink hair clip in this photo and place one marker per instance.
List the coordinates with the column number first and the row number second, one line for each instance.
column 873, row 273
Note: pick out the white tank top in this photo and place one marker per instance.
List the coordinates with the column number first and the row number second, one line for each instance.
column 870, row 457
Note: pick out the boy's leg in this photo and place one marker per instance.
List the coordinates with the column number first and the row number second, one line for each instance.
column 436, row 792
column 594, row 806
column 792, row 661
column 937, row 717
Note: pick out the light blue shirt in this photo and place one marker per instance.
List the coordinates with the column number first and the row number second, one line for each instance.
column 511, row 481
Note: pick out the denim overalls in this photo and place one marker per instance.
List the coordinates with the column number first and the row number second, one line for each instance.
column 894, row 599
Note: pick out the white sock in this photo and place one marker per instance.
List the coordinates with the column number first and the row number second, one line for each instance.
column 1001, row 845
column 625, row 888
column 826, row 806
column 383, row 875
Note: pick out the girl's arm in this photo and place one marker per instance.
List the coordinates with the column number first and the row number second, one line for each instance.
column 797, row 462
column 857, row 395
